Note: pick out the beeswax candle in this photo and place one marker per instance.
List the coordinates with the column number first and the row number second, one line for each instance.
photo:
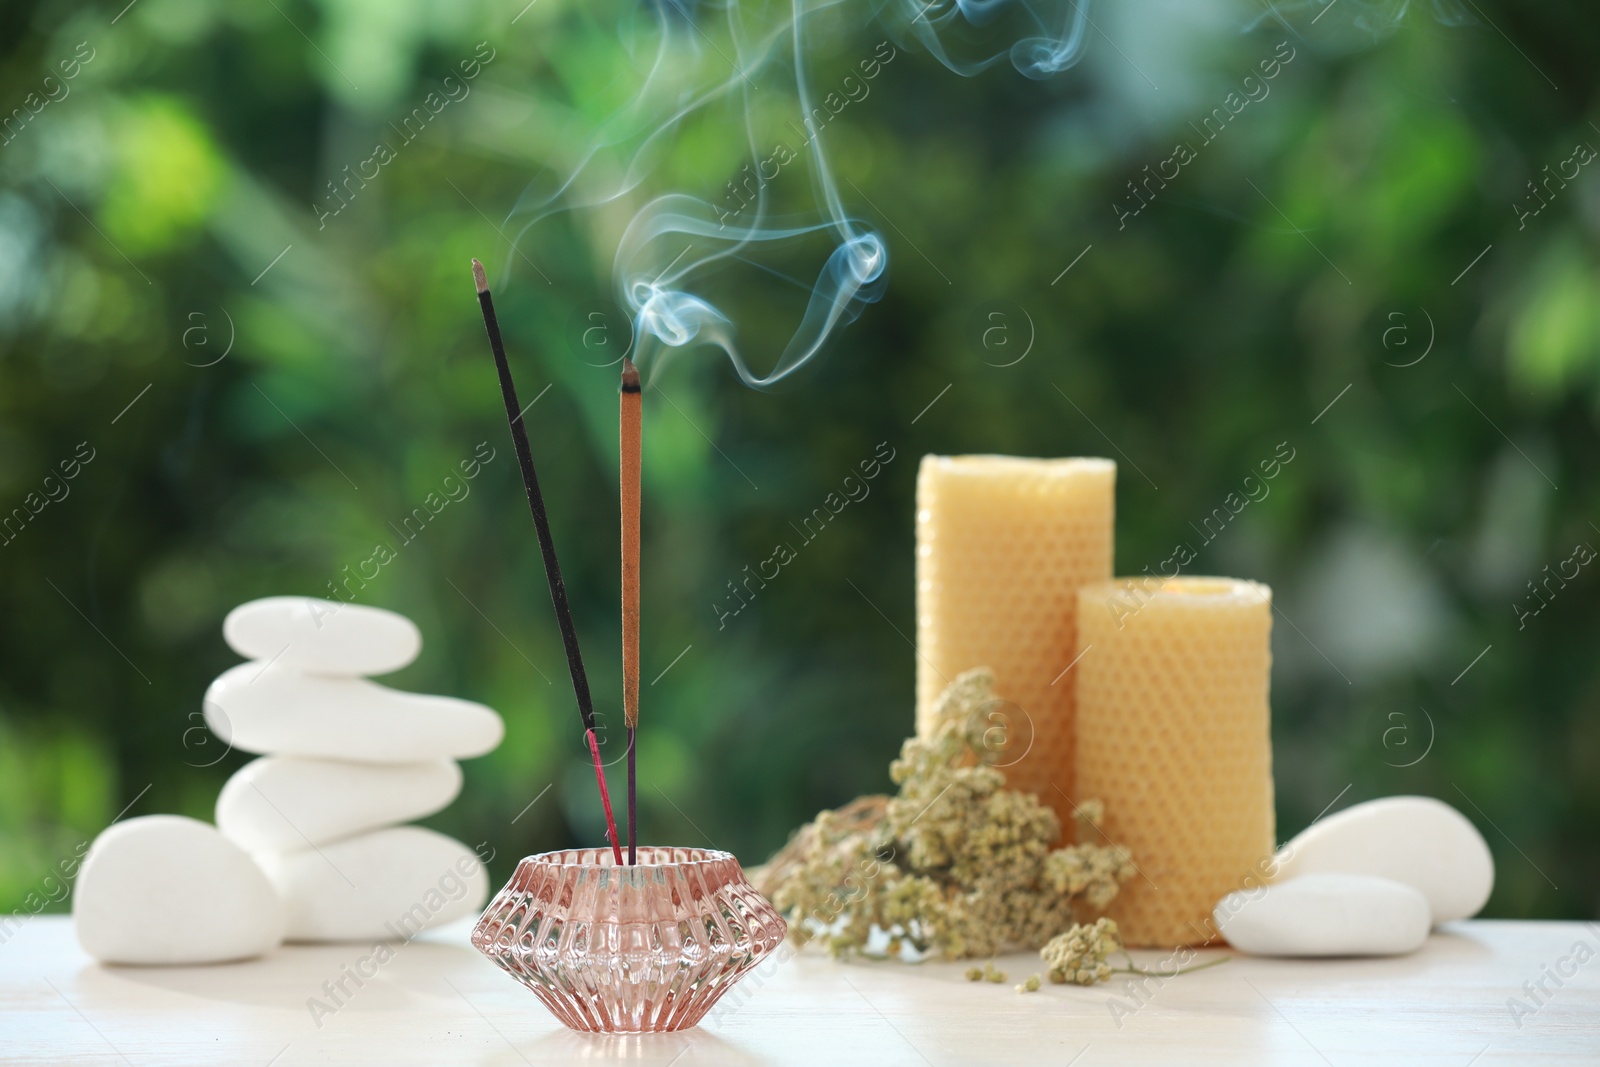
column 1174, row 735
column 1003, row 545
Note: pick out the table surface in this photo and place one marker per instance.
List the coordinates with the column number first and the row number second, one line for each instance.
column 437, row 1001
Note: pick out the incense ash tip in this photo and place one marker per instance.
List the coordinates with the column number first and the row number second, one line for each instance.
column 630, row 376
column 479, row 277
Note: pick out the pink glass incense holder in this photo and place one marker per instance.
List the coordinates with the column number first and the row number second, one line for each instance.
column 627, row 950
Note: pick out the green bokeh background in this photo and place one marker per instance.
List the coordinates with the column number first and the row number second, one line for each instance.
column 1306, row 257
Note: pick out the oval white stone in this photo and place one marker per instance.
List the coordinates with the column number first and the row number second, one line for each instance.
column 386, row 885
column 1325, row 915
column 1420, row 841
column 260, row 707
column 283, row 803
column 322, row 636
column 167, row 889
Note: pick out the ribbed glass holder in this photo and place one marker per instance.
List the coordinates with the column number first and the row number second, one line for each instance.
column 647, row 948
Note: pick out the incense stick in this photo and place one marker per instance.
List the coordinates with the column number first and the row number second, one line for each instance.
column 547, row 548
column 630, row 432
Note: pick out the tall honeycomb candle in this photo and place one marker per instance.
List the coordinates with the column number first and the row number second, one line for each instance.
column 1003, row 545
column 1174, row 734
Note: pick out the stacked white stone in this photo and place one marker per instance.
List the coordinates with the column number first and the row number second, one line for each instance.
column 307, row 845
column 345, row 762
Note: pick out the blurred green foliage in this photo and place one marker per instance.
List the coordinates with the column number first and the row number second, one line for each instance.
column 165, row 210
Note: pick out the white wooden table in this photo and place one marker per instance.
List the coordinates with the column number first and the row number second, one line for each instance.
column 438, row 1002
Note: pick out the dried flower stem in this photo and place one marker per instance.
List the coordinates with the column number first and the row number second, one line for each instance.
column 1133, row 968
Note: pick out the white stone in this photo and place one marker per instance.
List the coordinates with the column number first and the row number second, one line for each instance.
column 1326, row 915
column 261, row 707
column 167, row 889
column 322, row 636
column 1420, row 841
column 283, row 803
column 386, row 885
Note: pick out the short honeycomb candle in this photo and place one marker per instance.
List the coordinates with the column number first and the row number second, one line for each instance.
column 1003, row 545
column 1174, row 734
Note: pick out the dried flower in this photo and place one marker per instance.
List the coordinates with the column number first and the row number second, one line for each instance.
column 954, row 863
column 1079, row 955
column 1095, row 872
column 991, row 974
column 1089, row 815
column 974, row 974
column 1029, row 984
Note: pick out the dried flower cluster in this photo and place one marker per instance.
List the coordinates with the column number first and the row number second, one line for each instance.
column 954, row 864
column 1079, row 955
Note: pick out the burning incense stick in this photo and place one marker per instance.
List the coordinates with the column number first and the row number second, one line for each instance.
column 631, row 418
column 547, row 548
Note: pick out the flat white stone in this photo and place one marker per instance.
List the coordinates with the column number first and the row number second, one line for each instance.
column 168, row 889
column 261, row 707
column 1420, row 841
column 1326, row 915
column 386, row 885
column 322, row 636
column 283, row 803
